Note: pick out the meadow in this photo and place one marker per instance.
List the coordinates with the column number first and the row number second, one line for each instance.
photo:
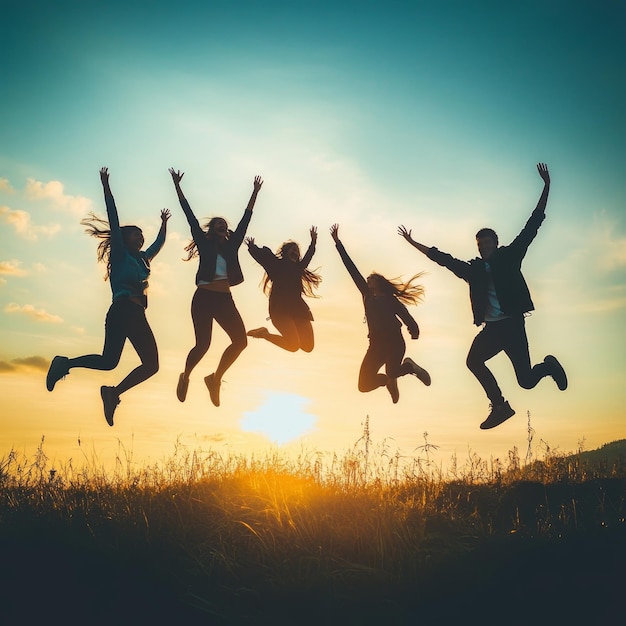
column 363, row 538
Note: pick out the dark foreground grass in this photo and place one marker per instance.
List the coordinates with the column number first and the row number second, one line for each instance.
column 203, row 539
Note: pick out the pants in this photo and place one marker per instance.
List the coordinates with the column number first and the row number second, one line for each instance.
column 508, row 335
column 125, row 320
column 207, row 306
column 388, row 351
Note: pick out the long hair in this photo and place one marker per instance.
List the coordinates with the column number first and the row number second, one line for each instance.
column 407, row 292
column 100, row 229
column 192, row 249
column 310, row 280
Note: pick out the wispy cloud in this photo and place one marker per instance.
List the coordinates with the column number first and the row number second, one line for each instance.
column 5, row 186
column 30, row 362
column 12, row 268
column 21, row 222
column 40, row 315
column 54, row 191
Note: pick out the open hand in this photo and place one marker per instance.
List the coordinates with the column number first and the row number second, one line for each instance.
column 403, row 231
column 542, row 168
column 334, row 232
column 258, row 183
column 165, row 215
column 177, row 176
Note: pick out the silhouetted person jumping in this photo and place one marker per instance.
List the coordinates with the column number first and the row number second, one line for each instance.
column 384, row 301
column 500, row 298
column 218, row 270
column 286, row 280
column 128, row 269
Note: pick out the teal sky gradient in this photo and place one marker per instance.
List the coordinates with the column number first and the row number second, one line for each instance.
column 370, row 114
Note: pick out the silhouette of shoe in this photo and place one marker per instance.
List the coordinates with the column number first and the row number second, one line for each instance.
column 557, row 372
column 58, row 369
column 499, row 413
column 392, row 388
column 418, row 371
column 181, row 388
column 259, row 333
column 214, row 388
column 110, row 400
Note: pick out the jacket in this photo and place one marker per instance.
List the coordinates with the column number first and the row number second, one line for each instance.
column 505, row 264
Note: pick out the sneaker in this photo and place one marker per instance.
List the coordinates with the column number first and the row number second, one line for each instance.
column 110, row 399
column 181, row 388
column 214, row 388
column 259, row 333
column 58, row 369
column 557, row 372
column 418, row 371
column 392, row 388
column 499, row 413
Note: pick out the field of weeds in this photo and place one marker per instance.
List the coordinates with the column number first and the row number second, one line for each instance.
column 363, row 539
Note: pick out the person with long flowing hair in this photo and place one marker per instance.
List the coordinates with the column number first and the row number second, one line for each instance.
column 286, row 279
column 127, row 269
column 217, row 249
column 385, row 303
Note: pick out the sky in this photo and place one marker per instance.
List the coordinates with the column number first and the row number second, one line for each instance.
column 369, row 115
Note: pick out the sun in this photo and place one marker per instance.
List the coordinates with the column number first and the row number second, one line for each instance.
column 280, row 418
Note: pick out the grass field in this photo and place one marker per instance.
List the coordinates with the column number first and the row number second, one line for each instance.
column 366, row 538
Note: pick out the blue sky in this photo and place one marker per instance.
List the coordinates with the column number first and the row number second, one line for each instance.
column 369, row 114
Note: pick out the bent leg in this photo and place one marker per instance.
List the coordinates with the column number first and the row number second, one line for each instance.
column 141, row 336
column 485, row 346
column 228, row 317
column 394, row 354
column 516, row 348
column 369, row 377
column 202, row 317
column 114, row 338
column 289, row 337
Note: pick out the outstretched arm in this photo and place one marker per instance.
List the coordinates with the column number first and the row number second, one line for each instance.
column 196, row 230
column 357, row 277
column 236, row 236
column 542, row 168
column 306, row 259
column 154, row 249
column 258, row 183
column 406, row 233
column 117, row 243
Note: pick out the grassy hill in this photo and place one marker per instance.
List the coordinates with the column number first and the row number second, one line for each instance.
column 208, row 540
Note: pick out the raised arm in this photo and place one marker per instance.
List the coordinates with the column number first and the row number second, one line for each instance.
column 194, row 225
column 357, row 277
column 236, row 236
column 117, row 243
column 406, row 233
column 258, row 183
column 542, row 168
column 308, row 255
column 155, row 248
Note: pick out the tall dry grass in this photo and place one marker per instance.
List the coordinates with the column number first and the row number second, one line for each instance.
column 368, row 533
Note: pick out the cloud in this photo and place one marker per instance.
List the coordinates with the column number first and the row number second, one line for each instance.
column 5, row 185
column 53, row 190
column 12, row 268
column 20, row 220
column 31, row 362
column 30, row 311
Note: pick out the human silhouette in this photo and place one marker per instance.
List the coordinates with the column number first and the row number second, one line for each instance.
column 384, row 301
column 286, row 280
column 128, row 269
column 500, row 298
column 218, row 270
